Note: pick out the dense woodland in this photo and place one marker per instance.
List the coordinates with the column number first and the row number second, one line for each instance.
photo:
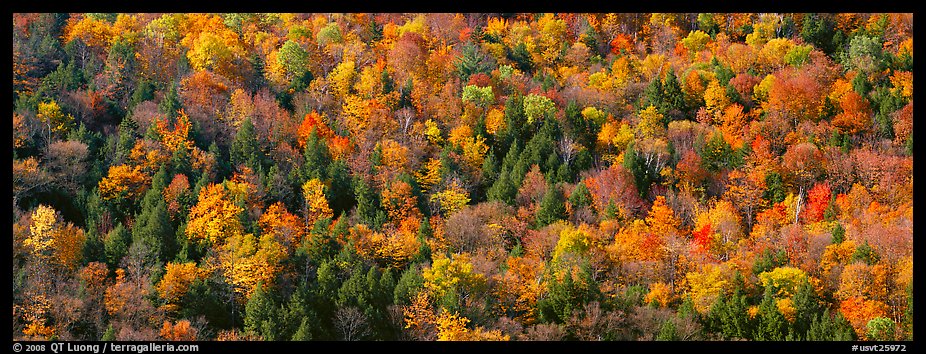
column 462, row 176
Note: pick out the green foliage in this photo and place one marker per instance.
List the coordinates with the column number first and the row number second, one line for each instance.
column 260, row 314
column 827, row 327
column 769, row 260
column 538, row 108
column 552, row 207
column 109, row 335
column 481, row 96
column 839, row 234
column 642, row 176
column 472, row 61
column 567, row 296
column 117, row 244
column 865, row 253
column 774, row 188
column 667, row 332
column 880, row 329
column 244, row 149
column 521, row 56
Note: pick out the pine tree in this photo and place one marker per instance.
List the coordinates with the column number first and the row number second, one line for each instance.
column 552, row 207
column 117, row 244
column 260, row 314
column 244, row 149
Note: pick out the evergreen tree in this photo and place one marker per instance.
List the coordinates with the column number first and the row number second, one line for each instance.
column 117, row 245
column 244, row 148
column 552, row 207
column 260, row 314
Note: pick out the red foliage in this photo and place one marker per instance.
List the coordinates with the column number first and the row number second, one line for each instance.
column 817, row 200
column 702, row 238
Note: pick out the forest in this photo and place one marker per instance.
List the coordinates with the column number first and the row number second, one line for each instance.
column 462, row 177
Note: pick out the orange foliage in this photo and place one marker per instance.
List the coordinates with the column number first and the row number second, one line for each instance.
column 285, row 227
column 179, row 331
column 313, row 121
column 859, row 311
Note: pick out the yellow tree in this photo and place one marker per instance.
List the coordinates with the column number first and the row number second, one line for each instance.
column 41, row 233
column 176, row 282
column 718, row 229
column 709, row 283
column 394, row 248
column 316, row 205
column 123, row 183
column 214, row 217
column 453, row 327
column 247, row 261
column 452, row 198
column 54, row 121
column 453, row 274
column 68, row 246
column 399, row 202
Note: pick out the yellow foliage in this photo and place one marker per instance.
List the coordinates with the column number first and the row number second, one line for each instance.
column 176, row 138
column 862, row 280
column 51, row 116
column 715, row 99
column 41, row 240
column 68, row 245
column 429, row 175
column 122, row 182
column 616, row 134
column 661, row 218
column 707, row 284
column 650, row 125
column 785, row 280
column 520, row 287
column 247, row 261
column 574, row 240
column 313, row 194
column 902, row 82
column 34, row 314
column 451, row 274
column 452, row 198
column 760, row 91
column 452, row 327
column 786, row 308
column 395, row 249
column 394, row 154
column 459, row 135
column 176, row 281
column 433, row 132
column 837, row 254
column 214, row 217
column 342, row 77
column 495, row 121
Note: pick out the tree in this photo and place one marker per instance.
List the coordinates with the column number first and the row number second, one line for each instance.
column 552, row 207
column 122, row 185
column 537, row 108
column 451, row 199
column 177, row 279
column 244, row 149
column 260, row 314
column 54, row 121
column 214, row 217
column 315, row 204
column 66, row 163
column 153, row 226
